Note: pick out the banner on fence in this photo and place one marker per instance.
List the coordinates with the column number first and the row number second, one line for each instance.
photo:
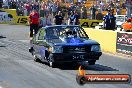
column 124, row 43
column 89, row 23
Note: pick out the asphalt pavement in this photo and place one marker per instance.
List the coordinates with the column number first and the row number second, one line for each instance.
column 18, row 70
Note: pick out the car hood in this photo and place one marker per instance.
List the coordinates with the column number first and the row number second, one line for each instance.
column 72, row 42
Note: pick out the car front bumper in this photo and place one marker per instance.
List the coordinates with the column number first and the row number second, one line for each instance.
column 76, row 57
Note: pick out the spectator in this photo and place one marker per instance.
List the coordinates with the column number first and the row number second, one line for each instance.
column 112, row 4
column 1, row 2
column 71, row 18
column 76, row 18
column 47, row 10
column 93, row 11
column 99, row 16
column 72, row 7
column 84, row 12
column 59, row 18
column 34, row 22
column 43, row 7
column 46, row 21
column 54, row 9
column 35, row 6
column 118, row 9
column 109, row 20
column 101, row 6
column 131, row 19
column 123, row 6
column 28, row 8
column 78, row 10
column 13, row 5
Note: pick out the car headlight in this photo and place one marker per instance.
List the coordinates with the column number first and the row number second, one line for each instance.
column 95, row 48
column 57, row 49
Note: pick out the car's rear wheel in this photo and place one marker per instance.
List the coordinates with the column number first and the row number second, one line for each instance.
column 91, row 62
column 31, row 50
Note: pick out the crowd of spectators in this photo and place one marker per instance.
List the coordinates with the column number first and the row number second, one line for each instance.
column 25, row 7
column 71, row 12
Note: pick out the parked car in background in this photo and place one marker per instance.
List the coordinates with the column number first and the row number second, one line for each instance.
column 120, row 19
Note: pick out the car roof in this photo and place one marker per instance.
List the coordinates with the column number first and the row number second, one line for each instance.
column 61, row 26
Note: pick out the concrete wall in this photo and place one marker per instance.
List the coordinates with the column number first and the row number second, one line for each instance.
column 106, row 38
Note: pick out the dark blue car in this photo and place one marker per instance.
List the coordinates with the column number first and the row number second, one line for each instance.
column 64, row 43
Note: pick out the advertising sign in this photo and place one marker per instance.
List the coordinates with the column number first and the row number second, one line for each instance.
column 9, row 16
column 86, row 23
column 5, row 17
column 124, row 43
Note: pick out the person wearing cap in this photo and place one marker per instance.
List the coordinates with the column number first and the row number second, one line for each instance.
column 59, row 18
column 110, row 20
column 71, row 18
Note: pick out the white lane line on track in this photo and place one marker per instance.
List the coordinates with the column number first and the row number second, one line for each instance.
column 122, row 56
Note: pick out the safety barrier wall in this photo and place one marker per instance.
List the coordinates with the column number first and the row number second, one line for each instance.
column 9, row 16
column 106, row 38
column 124, row 43
column 112, row 41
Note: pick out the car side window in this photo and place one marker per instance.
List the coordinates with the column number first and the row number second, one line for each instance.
column 41, row 34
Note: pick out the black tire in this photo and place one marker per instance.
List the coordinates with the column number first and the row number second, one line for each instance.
column 31, row 50
column 91, row 62
column 36, row 59
column 51, row 61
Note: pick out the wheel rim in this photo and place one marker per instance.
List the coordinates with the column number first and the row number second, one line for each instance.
column 35, row 57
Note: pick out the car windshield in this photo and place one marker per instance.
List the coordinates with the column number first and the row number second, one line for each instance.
column 65, row 31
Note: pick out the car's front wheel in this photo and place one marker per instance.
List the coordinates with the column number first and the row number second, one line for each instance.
column 36, row 59
column 91, row 62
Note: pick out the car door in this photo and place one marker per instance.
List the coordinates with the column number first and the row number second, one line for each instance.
column 39, row 44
